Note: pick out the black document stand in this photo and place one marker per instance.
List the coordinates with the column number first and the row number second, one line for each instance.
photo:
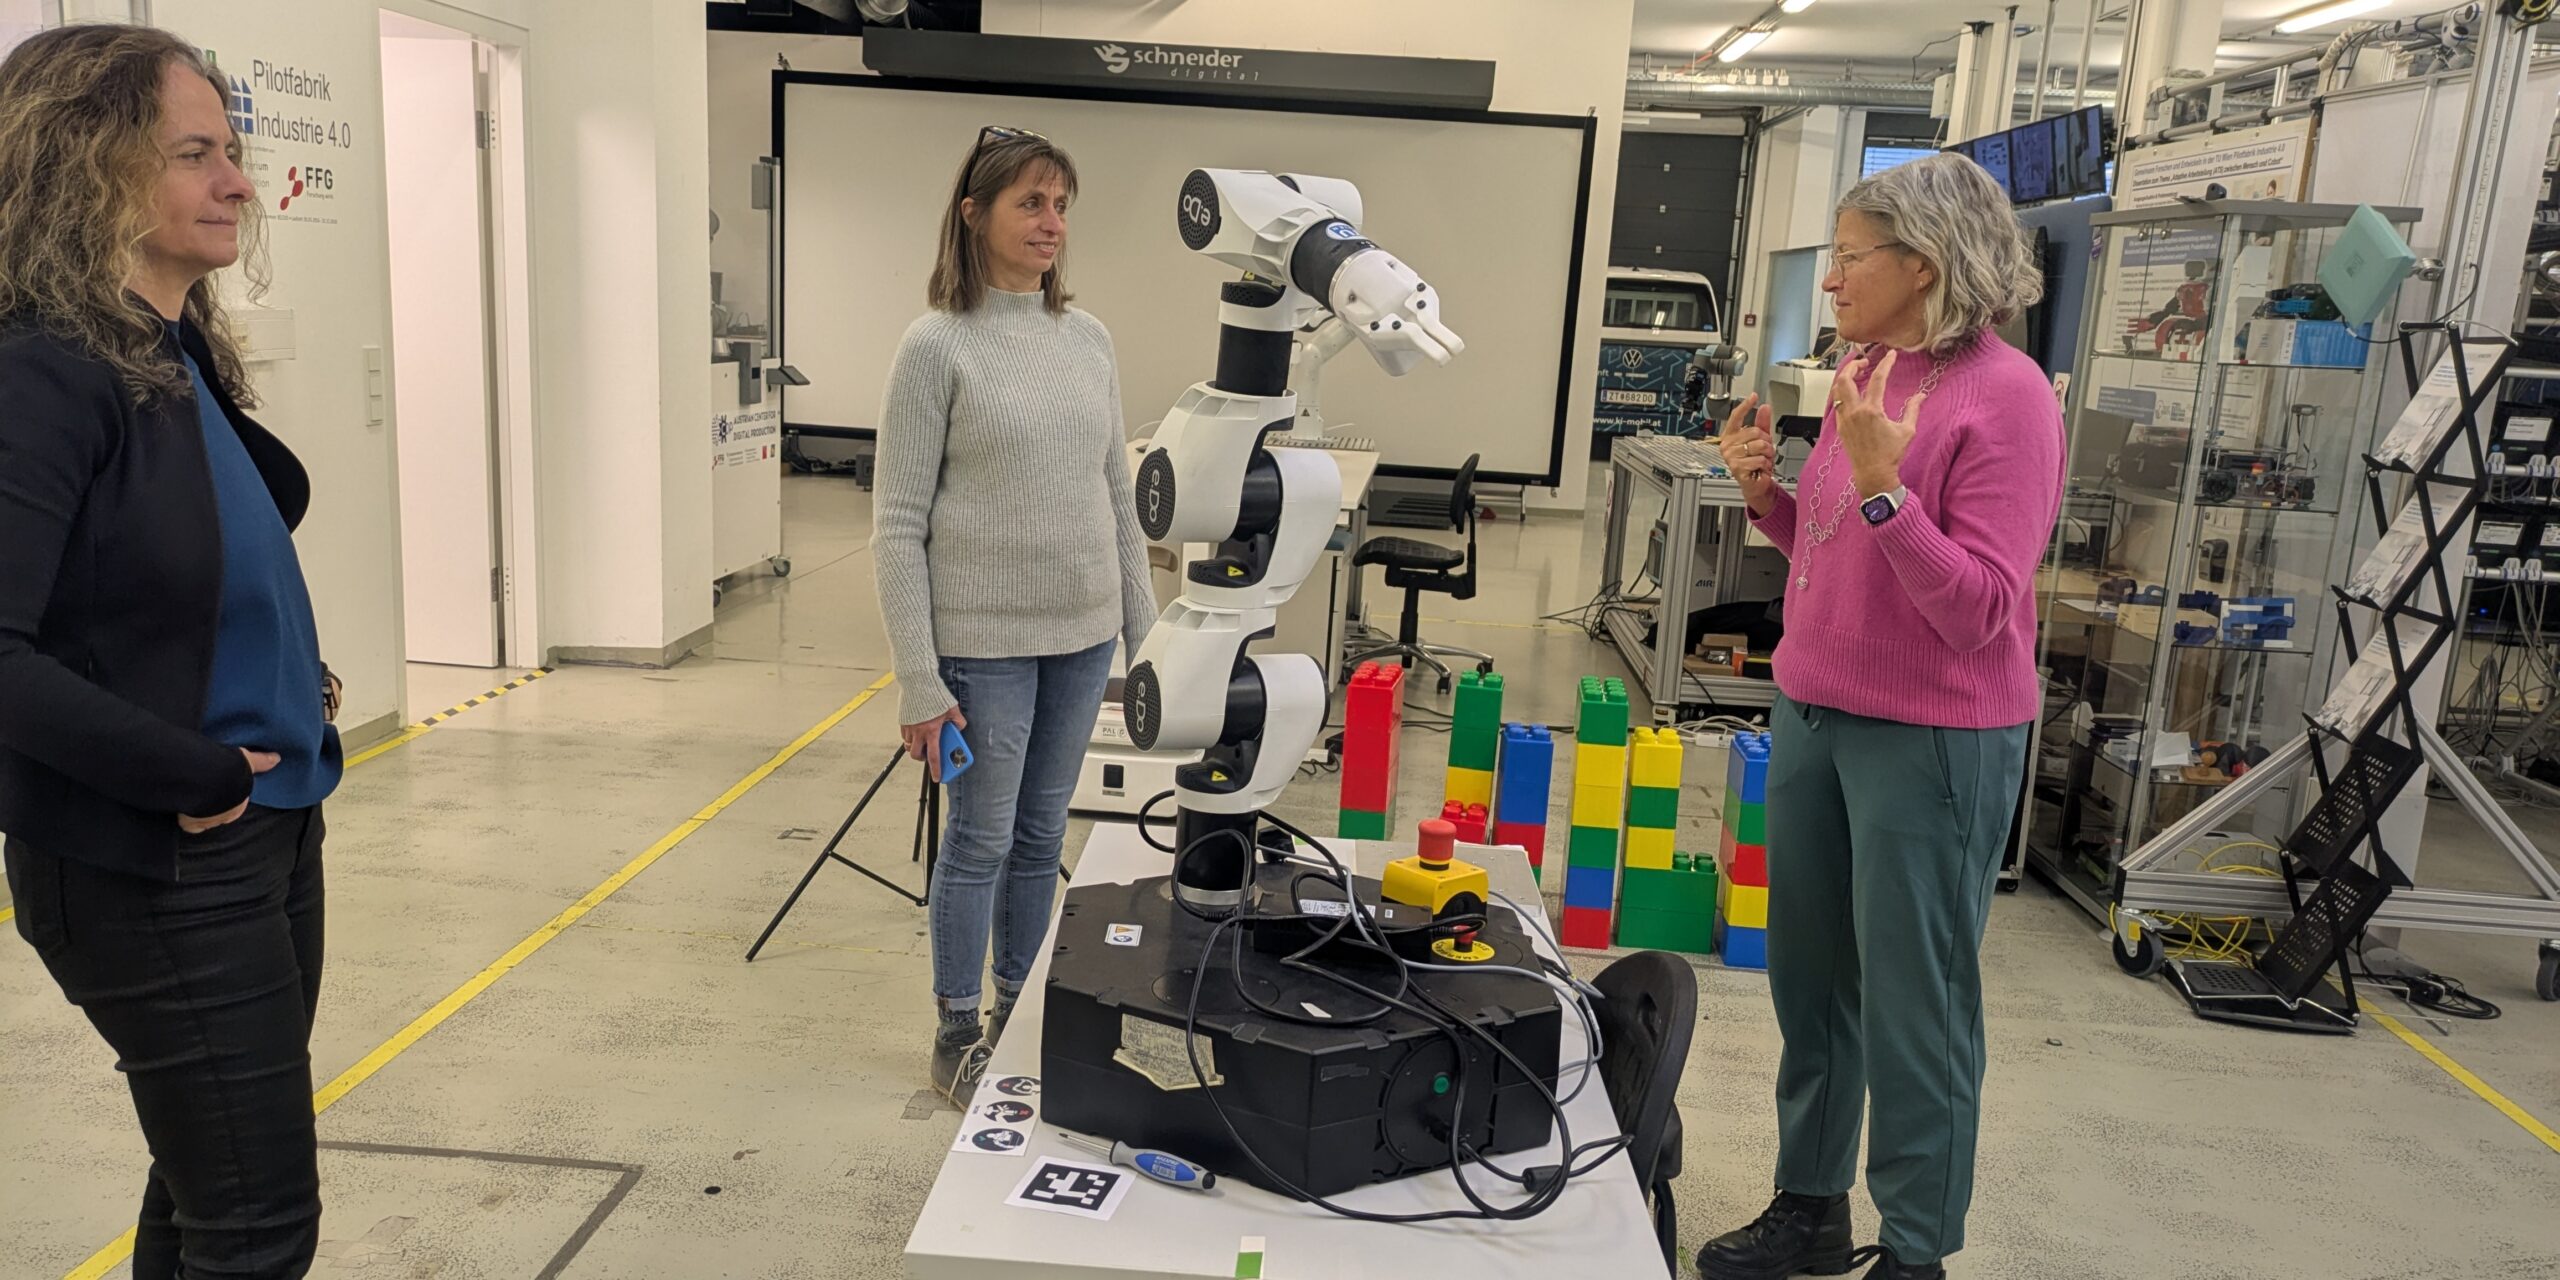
column 926, row 849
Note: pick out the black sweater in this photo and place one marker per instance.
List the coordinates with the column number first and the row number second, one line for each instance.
column 110, row 592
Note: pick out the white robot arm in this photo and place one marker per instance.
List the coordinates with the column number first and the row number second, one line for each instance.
column 1305, row 230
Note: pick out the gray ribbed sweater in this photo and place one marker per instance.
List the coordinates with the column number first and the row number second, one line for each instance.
column 1003, row 518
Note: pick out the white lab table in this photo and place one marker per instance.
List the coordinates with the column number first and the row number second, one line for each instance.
column 1599, row 1227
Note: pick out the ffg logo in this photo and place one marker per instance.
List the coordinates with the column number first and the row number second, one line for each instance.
column 1115, row 59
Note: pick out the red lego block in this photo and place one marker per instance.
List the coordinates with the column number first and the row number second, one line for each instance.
column 1524, row 835
column 1586, row 927
column 1750, row 866
column 1372, row 720
column 1469, row 819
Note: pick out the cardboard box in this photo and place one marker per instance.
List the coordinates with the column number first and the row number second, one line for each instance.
column 1723, row 652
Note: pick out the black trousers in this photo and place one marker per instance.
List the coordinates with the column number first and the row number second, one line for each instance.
column 205, row 989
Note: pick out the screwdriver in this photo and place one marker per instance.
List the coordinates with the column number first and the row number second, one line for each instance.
column 1173, row 1171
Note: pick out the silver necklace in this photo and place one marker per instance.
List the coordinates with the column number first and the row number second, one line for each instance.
column 1822, row 532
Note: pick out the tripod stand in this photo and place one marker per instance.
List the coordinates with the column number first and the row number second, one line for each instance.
column 927, row 847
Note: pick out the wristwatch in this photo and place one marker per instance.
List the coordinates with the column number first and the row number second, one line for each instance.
column 1881, row 507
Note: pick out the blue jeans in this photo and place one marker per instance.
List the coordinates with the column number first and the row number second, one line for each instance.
column 1030, row 720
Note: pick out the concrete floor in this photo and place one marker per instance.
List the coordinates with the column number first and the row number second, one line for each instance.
column 776, row 1115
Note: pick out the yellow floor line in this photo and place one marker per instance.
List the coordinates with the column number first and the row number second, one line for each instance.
column 407, row 735
column 372, row 1063
column 2524, row 1119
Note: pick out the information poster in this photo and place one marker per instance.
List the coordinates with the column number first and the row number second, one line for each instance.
column 2264, row 163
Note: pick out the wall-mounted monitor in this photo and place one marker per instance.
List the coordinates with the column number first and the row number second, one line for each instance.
column 2057, row 158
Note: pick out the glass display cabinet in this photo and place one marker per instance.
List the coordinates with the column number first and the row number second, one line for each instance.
column 2215, row 419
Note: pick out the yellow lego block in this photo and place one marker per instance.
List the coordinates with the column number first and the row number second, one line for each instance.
column 1600, row 808
column 1470, row 786
column 1747, row 907
column 1649, row 850
column 1595, row 765
column 1654, row 758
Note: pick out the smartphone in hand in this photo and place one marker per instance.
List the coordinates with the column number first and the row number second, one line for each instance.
column 955, row 752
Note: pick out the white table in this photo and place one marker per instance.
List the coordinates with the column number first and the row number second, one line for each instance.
column 1599, row 1227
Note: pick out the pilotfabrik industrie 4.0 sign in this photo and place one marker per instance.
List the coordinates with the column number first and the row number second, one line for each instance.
column 1137, row 66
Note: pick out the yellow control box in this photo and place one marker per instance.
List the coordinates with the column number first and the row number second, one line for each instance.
column 1415, row 883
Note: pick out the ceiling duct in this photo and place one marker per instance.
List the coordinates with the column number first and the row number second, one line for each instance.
column 1694, row 93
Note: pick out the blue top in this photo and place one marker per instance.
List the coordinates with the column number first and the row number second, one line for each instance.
column 265, row 694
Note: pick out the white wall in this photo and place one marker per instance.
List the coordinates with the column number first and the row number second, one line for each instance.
column 741, row 89
column 1550, row 59
column 1795, row 180
column 439, row 348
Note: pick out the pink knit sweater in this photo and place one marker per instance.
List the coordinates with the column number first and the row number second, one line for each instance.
column 1929, row 618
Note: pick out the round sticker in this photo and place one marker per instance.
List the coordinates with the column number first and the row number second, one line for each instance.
column 1018, row 1086
column 1007, row 1112
column 998, row 1140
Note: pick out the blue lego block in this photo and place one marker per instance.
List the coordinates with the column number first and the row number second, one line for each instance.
column 1746, row 948
column 1522, row 779
column 1747, row 767
column 1592, row 887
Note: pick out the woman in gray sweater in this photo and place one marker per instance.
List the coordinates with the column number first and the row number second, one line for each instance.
column 1010, row 560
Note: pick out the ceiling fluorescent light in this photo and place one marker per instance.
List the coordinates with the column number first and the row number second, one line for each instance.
column 1794, row 6
column 1740, row 47
column 2323, row 15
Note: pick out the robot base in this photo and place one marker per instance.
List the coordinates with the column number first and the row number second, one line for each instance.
column 1330, row 1108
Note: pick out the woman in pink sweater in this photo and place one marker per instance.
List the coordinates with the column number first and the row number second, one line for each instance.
column 1908, row 675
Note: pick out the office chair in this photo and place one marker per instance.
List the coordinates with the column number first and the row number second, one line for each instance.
column 1418, row 567
column 1649, row 1009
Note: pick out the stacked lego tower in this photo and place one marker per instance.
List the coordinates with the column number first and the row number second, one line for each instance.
column 1745, row 853
column 1372, row 717
column 1475, row 746
column 1521, row 780
column 1666, row 900
column 1599, row 802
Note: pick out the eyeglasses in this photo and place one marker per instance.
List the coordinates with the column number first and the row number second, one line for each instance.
column 992, row 133
column 1838, row 261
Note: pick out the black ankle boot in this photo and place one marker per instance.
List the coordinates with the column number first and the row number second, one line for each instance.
column 1795, row 1235
column 1889, row 1267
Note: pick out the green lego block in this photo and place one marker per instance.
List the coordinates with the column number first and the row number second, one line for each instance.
column 1749, row 823
column 1480, row 750
column 1680, row 891
column 1592, row 847
column 1665, row 931
column 1655, row 807
column 1356, row 825
column 1603, row 720
column 1479, row 703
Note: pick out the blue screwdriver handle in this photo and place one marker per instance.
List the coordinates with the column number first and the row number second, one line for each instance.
column 1173, row 1171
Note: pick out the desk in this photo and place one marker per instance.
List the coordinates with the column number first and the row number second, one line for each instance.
column 1600, row 1227
column 1688, row 478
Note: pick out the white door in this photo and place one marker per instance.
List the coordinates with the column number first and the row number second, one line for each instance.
column 433, row 135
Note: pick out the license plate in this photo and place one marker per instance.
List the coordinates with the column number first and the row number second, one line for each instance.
column 1636, row 399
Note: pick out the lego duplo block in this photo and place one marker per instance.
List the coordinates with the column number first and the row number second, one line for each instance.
column 1525, row 836
column 1590, row 847
column 1647, row 847
column 1372, row 716
column 1749, row 864
column 1469, row 786
column 1747, row 907
column 1467, row 818
column 1590, row 887
column 1475, row 730
column 1654, row 758
column 1599, row 766
column 1586, row 928
column 1357, row 824
column 1686, row 889
column 1744, row 948
column 1599, row 807
column 1524, row 775
column 1655, row 931
column 1746, row 772
column 1749, row 823
column 1604, row 712
column 1653, row 807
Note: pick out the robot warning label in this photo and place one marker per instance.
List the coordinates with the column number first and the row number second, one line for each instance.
column 1157, row 1052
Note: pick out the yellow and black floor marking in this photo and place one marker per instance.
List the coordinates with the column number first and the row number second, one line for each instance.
column 427, row 726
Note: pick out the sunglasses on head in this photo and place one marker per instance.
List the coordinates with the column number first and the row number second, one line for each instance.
column 992, row 133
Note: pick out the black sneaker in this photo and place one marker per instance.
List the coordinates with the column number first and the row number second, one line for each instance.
column 1889, row 1267
column 1795, row 1235
column 957, row 1068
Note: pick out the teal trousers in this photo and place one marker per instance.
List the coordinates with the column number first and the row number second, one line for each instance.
column 1884, row 849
